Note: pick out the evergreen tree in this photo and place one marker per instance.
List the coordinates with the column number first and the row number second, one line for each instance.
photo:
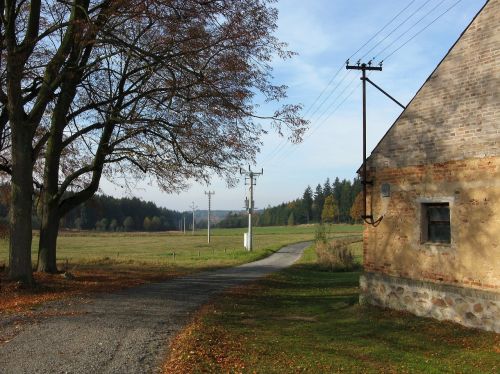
column 345, row 201
column 307, row 202
column 327, row 189
column 318, row 203
column 337, row 191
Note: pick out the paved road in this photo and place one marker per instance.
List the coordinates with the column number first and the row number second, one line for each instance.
column 125, row 332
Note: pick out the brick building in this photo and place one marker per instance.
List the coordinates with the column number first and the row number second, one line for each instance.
column 436, row 251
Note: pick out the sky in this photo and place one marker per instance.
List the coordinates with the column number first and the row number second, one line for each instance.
column 325, row 33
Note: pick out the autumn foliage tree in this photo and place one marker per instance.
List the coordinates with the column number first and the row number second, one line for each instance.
column 163, row 88
column 328, row 213
column 357, row 207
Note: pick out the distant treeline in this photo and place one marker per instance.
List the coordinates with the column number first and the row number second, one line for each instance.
column 106, row 213
column 310, row 208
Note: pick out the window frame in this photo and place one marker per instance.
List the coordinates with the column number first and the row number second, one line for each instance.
column 426, row 223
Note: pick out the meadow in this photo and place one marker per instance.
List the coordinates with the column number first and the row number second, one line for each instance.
column 84, row 249
column 102, row 261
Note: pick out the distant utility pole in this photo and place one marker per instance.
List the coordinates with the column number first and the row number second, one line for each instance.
column 184, row 217
column 250, row 205
column 364, row 67
column 209, row 194
column 194, row 207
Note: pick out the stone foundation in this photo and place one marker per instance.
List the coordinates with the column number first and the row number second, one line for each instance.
column 467, row 306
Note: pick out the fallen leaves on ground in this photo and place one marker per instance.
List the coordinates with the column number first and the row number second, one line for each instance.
column 16, row 299
column 209, row 347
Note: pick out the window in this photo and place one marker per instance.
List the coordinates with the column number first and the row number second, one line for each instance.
column 436, row 223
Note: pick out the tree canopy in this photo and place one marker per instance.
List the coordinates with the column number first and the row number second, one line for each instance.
column 124, row 88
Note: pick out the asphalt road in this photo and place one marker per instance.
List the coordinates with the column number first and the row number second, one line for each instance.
column 127, row 331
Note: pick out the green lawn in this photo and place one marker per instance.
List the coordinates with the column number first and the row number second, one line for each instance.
column 307, row 320
column 191, row 251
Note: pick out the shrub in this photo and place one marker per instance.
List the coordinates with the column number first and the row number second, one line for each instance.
column 320, row 234
column 335, row 255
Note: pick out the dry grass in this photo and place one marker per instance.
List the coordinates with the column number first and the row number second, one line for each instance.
column 336, row 255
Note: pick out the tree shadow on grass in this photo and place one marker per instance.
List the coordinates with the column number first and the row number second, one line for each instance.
column 330, row 326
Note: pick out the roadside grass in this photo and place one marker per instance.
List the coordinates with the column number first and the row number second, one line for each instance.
column 307, row 320
column 101, row 261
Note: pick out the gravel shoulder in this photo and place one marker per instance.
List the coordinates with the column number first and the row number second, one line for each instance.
column 123, row 332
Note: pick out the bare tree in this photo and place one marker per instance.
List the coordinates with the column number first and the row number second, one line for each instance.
column 163, row 87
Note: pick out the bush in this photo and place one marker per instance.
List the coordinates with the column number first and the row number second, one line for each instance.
column 335, row 255
column 320, row 234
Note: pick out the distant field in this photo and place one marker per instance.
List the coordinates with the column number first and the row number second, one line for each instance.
column 89, row 248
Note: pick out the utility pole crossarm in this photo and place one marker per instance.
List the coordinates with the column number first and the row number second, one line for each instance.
column 365, row 67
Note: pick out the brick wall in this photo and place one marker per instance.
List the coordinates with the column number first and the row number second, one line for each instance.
column 456, row 114
column 445, row 147
column 472, row 189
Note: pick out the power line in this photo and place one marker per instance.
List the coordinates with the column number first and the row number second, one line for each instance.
column 421, row 30
column 283, row 145
column 359, row 49
column 330, row 95
column 336, row 108
column 395, row 29
column 326, row 119
column 338, row 97
column 411, row 27
column 280, row 153
column 382, row 29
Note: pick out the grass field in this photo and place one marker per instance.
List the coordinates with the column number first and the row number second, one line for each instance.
column 307, row 320
column 102, row 262
column 92, row 248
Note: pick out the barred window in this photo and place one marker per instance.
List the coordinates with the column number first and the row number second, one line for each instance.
column 436, row 223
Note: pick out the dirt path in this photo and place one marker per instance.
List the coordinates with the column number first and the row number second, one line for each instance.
column 125, row 332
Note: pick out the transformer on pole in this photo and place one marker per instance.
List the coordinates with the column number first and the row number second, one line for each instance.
column 249, row 202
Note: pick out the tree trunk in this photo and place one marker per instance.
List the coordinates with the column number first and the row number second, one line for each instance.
column 49, row 202
column 48, row 239
column 21, row 205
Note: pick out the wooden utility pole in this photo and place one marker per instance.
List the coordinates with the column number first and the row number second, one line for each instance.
column 364, row 67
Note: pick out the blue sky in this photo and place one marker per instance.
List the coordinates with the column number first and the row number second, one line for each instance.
column 325, row 33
